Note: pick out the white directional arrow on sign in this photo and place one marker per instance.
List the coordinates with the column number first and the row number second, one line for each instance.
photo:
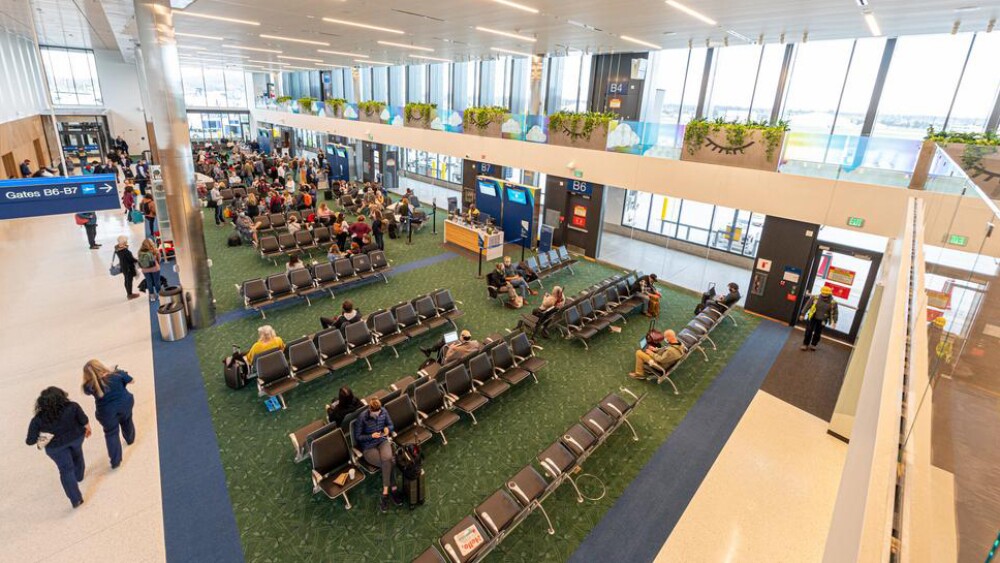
column 107, row 188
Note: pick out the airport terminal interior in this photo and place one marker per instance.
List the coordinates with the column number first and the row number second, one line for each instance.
column 500, row 280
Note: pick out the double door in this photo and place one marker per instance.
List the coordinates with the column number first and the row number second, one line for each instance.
column 850, row 274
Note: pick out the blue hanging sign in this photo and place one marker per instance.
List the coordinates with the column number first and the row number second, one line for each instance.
column 33, row 197
column 580, row 188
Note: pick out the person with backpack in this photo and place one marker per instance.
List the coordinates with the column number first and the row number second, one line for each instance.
column 820, row 310
column 88, row 220
column 372, row 430
column 340, row 231
column 127, row 263
column 148, row 208
column 114, row 405
column 149, row 263
column 60, row 426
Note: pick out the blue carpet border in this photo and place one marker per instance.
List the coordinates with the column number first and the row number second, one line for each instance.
column 641, row 520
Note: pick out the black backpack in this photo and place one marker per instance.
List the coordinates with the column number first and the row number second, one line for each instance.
column 409, row 461
column 235, row 369
column 234, row 240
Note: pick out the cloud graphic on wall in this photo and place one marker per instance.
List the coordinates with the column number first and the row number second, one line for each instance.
column 384, row 116
column 623, row 136
column 511, row 126
column 436, row 124
column 535, row 135
column 398, row 120
column 349, row 113
column 454, row 119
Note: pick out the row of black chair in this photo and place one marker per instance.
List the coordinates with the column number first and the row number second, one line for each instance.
column 287, row 244
column 329, row 350
column 476, row 535
column 318, row 278
column 692, row 337
column 551, row 262
column 418, row 411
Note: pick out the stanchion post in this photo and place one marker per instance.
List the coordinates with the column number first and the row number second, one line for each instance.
column 522, row 250
column 409, row 231
column 434, row 213
column 480, row 262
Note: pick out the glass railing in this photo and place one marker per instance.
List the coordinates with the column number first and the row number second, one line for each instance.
column 854, row 158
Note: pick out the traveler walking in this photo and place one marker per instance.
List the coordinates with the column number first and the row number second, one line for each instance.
column 60, row 426
column 88, row 220
column 149, row 263
column 127, row 262
column 114, row 405
column 819, row 311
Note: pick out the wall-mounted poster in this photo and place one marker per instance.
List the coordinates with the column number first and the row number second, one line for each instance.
column 839, row 291
column 579, row 219
column 840, row 275
column 758, row 283
column 939, row 299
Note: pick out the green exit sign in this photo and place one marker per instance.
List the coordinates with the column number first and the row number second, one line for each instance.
column 855, row 222
column 958, row 240
column 578, row 173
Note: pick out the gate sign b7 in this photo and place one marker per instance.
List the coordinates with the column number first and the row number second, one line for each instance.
column 34, row 197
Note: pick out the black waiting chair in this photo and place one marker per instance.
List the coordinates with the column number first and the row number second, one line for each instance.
column 462, row 394
column 332, row 466
column 432, row 408
column 333, row 349
column 360, row 341
column 274, row 376
column 407, row 428
column 304, row 360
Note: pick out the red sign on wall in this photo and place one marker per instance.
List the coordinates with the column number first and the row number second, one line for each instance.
column 579, row 219
column 839, row 291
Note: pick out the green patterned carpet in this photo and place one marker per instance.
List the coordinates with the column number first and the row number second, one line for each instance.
column 280, row 520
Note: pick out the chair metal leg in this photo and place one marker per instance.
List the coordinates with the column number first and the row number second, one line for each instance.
column 710, row 341
column 635, row 437
column 347, row 501
column 308, row 302
column 394, row 351
column 444, row 440
column 369, row 364
column 262, row 315
column 579, row 495
column 474, row 421
column 547, row 519
column 670, row 381
column 281, row 398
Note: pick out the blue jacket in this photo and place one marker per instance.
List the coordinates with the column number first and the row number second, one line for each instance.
column 116, row 397
column 366, row 425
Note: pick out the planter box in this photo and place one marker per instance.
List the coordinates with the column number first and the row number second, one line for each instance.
column 417, row 122
column 337, row 112
column 491, row 130
column 979, row 162
column 751, row 154
column 373, row 118
column 598, row 139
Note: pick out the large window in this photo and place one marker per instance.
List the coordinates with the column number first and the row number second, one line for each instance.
column 440, row 85
column 215, row 126
column 433, row 165
column 731, row 230
column 72, row 76
column 380, row 84
column 464, row 85
column 980, row 85
column 397, row 86
column 732, row 82
column 814, row 88
column 416, row 83
column 676, row 85
column 922, row 79
column 212, row 87
column 569, row 83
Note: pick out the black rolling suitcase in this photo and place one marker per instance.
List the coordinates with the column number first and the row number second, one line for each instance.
column 235, row 369
column 410, row 461
column 413, row 490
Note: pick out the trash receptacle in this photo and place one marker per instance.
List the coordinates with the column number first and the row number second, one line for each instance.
column 173, row 323
column 170, row 294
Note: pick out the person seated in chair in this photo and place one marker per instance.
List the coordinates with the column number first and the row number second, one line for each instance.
column 645, row 289
column 463, row 347
column 498, row 281
column 347, row 316
column 267, row 340
column 515, row 279
column 343, row 405
column 368, row 245
column 719, row 302
column 372, row 431
column 526, row 272
column 551, row 303
column 664, row 356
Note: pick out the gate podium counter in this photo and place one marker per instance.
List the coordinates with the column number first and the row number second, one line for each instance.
column 467, row 236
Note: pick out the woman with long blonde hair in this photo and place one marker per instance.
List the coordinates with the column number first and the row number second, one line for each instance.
column 114, row 405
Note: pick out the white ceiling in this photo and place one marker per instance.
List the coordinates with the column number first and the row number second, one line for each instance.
column 448, row 26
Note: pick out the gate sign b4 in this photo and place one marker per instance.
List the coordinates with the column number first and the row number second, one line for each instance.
column 33, row 197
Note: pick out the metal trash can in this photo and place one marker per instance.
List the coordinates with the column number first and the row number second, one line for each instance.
column 170, row 294
column 172, row 321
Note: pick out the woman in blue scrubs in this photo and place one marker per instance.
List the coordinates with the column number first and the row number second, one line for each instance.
column 60, row 426
column 114, row 405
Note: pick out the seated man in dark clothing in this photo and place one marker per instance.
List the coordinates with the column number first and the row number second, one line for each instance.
column 498, row 281
column 719, row 302
column 345, row 404
column 645, row 289
column 368, row 245
column 348, row 315
column 527, row 273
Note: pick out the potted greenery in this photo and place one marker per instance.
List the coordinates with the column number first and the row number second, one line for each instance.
column 283, row 101
column 747, row 144
column 371, row 111
column 335, row 107
column 485, row 121
column 307, row 105
column 419, row 115
column 585, row 129
column 977, row 154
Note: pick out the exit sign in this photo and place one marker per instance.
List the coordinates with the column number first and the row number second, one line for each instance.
column 855, row 222
column 958, row 240
column 578, row 173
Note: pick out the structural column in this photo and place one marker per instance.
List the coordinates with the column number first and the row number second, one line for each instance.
column 165, row 109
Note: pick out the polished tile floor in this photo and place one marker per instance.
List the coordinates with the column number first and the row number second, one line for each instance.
column 60, row 308
column 770, row 494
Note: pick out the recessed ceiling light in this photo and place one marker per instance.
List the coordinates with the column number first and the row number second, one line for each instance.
column 298, row 68
column 506, row 34
column 641, row 42
column 218, row 18
column 294, row 40
column 690, row 12
column 968, row 9
column 518, row 53
column 342, row 53
column 286, row 57
column 373, row 62
column 515, row 5
column 268, row 62
column 328, row 64
column 738, row 35
column 191, row 48
column 258, row 49
column 405, row 46
column 196, row 36
column 425, row 57
column 364, row 26
column 872, row 24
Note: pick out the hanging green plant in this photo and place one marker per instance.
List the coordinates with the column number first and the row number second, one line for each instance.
column 696, row 132
column 371, row 108
column 416, row 111
column 977, row 145
column 481, row 117
column 579, row 125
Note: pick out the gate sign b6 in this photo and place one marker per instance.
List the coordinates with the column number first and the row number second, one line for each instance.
column 33, row 197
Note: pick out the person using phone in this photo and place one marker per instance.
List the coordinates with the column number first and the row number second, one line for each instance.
column 372, row 430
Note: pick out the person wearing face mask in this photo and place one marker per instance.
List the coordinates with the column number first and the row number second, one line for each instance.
column 819, row 311
column 372, row 430
column 514, row 278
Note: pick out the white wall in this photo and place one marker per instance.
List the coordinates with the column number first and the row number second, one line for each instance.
column 120, row 90
column 22, row 93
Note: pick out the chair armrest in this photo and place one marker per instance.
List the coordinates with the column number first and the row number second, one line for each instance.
column 451, row 396
column 624, row 389
column 536, row 347
column 316, row 477
column 422, row 415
